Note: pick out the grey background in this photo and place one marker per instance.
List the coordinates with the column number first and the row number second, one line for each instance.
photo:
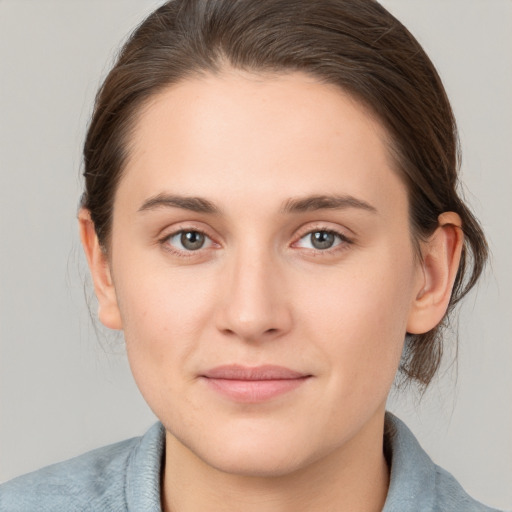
column 64, row 389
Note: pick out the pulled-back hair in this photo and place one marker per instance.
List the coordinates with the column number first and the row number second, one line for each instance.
column 354, row 44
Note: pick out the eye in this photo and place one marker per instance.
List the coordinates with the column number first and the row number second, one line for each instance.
column 189, row 240
column 321, row 240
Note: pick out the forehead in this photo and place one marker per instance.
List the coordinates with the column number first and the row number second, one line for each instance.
column 254, row 137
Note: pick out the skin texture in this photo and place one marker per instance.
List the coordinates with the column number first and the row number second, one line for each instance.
column 258, row 292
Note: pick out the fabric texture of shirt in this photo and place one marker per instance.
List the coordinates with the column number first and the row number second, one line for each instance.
column 126, row 477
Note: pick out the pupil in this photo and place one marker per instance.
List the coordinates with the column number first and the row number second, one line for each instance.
column 322, row 240
column 192, row 240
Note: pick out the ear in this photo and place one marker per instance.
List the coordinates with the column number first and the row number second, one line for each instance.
column 441, row 258
column 108, row 310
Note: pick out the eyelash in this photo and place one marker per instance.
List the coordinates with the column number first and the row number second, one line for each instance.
column 165, row 242
column 342, row 244
column 343, row 241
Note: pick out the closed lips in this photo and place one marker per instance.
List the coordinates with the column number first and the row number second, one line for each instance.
column 266, row 372
column 252, row 385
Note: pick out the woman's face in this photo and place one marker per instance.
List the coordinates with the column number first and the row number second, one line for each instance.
column 263, row 269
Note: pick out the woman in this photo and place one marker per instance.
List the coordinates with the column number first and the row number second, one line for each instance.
column 269, row 212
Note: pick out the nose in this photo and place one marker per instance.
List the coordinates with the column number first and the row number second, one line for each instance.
column 254, row 305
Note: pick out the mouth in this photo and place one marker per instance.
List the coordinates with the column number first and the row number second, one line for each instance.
column 253, row 384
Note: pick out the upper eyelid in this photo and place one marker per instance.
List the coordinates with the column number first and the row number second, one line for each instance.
column 179, row 227
column 343, row 238
column 327, row 230
column 309, row 228
column 172, row 234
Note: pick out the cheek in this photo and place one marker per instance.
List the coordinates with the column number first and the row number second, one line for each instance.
column 163, row 316
column 358, row 316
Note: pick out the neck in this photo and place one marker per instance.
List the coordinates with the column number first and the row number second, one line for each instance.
column 353, row 478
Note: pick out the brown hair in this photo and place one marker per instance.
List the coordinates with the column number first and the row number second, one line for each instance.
column 354, row 44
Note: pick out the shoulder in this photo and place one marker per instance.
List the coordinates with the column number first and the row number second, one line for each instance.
column 416, row 483
column 451, row 496
column 97, row 480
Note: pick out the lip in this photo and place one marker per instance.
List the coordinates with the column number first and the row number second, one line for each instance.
column 253, row 384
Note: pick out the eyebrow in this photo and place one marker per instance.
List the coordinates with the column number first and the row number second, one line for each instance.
column 321, row 202
column 195, row 204
column 299, row 205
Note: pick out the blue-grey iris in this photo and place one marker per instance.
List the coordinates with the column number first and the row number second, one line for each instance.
column 322, row 239
column 192, row 240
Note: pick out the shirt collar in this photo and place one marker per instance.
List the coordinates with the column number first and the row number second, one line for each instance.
column 142, row 484
column 412, row 472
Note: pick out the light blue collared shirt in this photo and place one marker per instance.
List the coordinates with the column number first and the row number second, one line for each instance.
column 126, row 477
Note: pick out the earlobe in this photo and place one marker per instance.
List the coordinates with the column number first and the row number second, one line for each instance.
column 108, row 310
column 440, row 262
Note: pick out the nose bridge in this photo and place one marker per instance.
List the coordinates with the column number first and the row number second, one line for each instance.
column 255, row 304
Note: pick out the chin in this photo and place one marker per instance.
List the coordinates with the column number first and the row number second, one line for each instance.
column 251, row 452
column 257, row 463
